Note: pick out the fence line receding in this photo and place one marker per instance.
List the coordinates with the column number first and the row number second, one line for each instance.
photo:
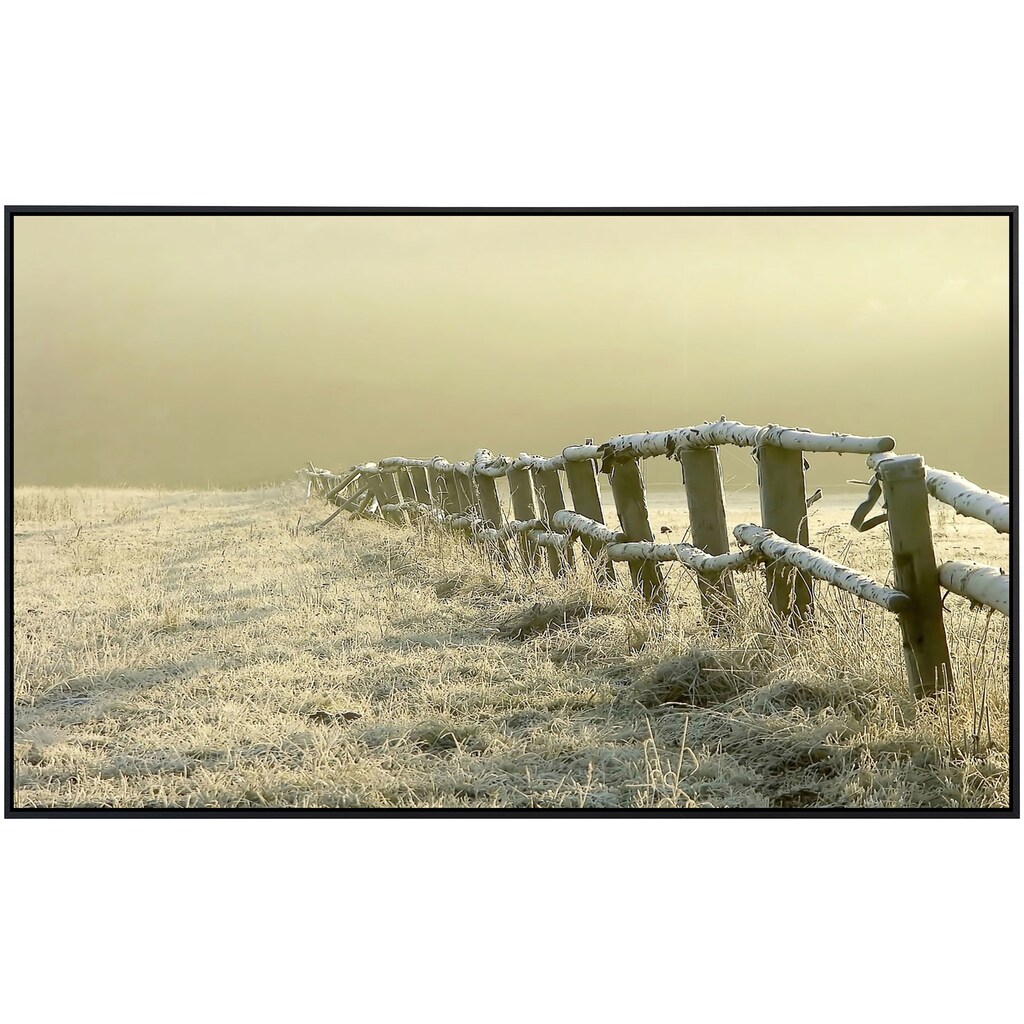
column 462, row 496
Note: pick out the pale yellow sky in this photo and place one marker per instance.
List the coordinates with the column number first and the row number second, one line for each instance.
column 187, row 351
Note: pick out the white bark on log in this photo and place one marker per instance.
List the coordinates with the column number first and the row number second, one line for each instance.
column 967, row 498
column 668, row 442
column 538, row 462
column 400, row 463
column 514, row 526
column 982, row 584
column 581, row 452
column 487, row 464
column 369, row 469
column 462, row 521
column 560, row 541
column 693, row 557
column 574, row 523
column 817, row 565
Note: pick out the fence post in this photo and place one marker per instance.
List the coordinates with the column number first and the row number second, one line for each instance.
column 490, row 511
column 421, row 488
column 709, row 529
column 780, row 474
column 586, row 499
column 441, row 490
column 389, row 489
column 405, row 485
column 520, row 485
column 382, row 493
column 552, row 500
column 631, row 508
column 463, row 490
column 915, row 572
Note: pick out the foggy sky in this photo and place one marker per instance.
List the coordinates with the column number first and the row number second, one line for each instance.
column 226, row 351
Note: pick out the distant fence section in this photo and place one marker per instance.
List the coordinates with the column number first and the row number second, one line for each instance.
column 463, row 496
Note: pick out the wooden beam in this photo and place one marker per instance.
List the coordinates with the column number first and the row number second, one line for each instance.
column 815, row 564
column 586, row 500
column 520, row 484
column 420, row 486
column 925, row 648
column 980, row 584
column 780, row 473
column 404, row 481
column 441, row 493
column 387, row 494
column 549, row 490
column 490, row 510
column 709, row 529
column 631, row 508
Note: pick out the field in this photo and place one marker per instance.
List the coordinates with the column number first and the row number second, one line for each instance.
column 208, row 649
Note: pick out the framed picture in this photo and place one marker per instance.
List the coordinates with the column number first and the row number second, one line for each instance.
column 512, row 511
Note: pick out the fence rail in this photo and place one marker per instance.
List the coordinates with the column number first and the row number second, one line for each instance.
column 462, row 496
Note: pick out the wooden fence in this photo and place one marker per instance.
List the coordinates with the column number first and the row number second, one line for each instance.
column 463, row 496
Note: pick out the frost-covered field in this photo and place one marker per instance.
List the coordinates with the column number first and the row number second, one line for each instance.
column 209, row 649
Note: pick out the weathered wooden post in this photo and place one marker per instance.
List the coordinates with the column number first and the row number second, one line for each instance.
column 520, row 485
column 549, row 490
column 435, row 483
column 915, row 572
column 780, row 474
column 344, row 487
column 586, row 500
column 405, row 485
column 490, row 512
column 389, row 489
column 378, row 482
column 463, row 491
column 709, row 529
column 421, row 488
column 634, row 523
column 442, row 492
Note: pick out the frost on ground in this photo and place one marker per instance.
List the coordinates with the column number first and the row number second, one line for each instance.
column 208, row 649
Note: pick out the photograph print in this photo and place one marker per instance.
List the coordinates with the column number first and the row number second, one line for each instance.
column 568, row 512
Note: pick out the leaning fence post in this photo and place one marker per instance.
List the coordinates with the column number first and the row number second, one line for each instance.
column 520, row 485
column 631, row 508
column 376, row 480
column 709, row 529
column 915, row 572
column 549, row 490
column 780, row 474
column 586, row 500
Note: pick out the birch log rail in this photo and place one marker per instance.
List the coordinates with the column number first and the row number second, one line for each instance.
column 981, row 584
column 462, row 496
column 769, row 545
column 968, row 499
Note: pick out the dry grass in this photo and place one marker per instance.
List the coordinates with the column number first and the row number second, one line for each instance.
column 208, row 649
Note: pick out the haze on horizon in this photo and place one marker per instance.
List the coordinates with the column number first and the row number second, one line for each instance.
column 226, row 351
